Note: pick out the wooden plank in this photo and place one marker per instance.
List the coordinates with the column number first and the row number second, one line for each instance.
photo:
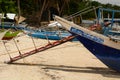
column 43, row 48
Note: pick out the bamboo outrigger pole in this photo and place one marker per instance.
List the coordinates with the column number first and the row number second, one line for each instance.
column 17, row 46
column 7, row 50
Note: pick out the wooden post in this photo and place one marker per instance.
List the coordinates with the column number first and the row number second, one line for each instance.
column 81, row 18
column 49, row 16
column 95, row 12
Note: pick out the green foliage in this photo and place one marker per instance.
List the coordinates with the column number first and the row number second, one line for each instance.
column 73, row 7
column 78, row 5
column 95, row 3
column 29, row 8
column 11, row 34
column 7, row 6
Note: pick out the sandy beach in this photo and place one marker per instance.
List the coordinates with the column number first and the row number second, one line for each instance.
column 68, row 61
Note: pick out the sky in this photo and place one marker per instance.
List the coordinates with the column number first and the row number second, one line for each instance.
column 114, row 2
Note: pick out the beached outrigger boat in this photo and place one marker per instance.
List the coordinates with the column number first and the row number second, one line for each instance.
column 52, row 31
column 105, row 48
column 51, row 35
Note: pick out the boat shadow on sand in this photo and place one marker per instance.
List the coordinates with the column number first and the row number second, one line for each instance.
column 105, row 72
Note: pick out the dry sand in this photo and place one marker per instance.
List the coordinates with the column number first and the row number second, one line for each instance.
column 69, row 61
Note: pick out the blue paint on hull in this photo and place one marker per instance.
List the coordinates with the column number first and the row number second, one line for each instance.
column 12, row 27
column 43, row 36
column 109, row 56
column 51, row 35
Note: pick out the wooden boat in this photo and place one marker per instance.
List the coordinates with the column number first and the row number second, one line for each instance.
column 11, row 25
column 51, row 35
column 103, row 47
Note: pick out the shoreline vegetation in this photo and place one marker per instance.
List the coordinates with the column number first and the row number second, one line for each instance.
column 41, row 12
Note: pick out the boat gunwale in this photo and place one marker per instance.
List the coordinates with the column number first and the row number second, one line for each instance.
column 107, row 40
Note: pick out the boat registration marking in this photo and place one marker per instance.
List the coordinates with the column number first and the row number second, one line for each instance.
column 86, row 35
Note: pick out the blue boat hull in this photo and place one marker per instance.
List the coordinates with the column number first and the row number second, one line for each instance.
column 51, row 35
column 43, row 36
column 109, row 56
column 12, row 27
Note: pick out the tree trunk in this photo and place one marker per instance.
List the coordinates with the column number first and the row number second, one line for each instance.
column 61, row 9
column 41, row 12
column 58, row 8
column 19, row 12
column 49, row 16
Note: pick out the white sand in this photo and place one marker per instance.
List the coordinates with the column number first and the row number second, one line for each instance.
column 69, row 61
